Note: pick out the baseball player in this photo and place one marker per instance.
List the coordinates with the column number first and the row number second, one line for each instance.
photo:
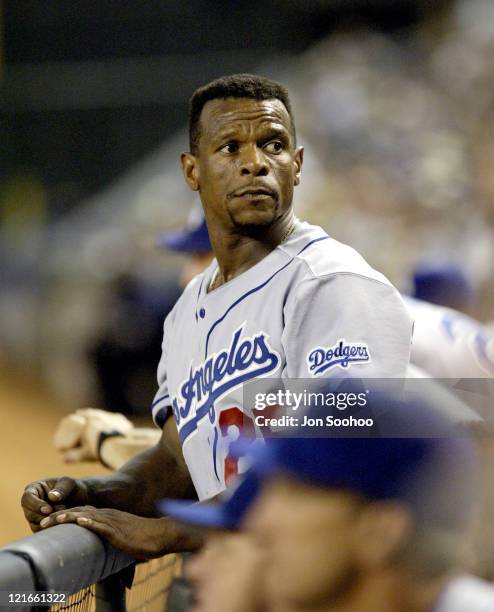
column 446, row 344
column 281, row 299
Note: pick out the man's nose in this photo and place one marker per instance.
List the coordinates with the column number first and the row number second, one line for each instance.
column 253, row 162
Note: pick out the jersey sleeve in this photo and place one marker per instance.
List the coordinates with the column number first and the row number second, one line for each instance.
column 346, row 325
column 449, row 344
column 161, row 407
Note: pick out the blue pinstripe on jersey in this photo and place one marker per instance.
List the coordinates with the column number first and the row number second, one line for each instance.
column 251, row 291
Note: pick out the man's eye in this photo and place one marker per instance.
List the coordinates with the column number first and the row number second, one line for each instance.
column 230, row 147
column 275, row 146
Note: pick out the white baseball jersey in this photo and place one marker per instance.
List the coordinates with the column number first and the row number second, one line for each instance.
column 311, row 308
column 449, row 344
column 466, row 593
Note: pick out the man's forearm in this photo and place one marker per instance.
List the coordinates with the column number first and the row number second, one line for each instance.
column 151, row 475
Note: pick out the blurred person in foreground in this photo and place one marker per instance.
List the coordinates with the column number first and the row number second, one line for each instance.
column 227, row 573
column 352, row 531
column 277, row 289
column 345, row 525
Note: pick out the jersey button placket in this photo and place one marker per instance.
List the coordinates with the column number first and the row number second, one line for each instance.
column 201, row 313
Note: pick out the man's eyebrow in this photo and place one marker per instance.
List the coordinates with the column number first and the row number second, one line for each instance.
column 268, row 129
column 275, row 130
column 226, row 135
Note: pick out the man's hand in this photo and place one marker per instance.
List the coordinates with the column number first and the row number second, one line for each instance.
column 78, row 434
column 42, row 497
column 156, row 473
column 141, row 538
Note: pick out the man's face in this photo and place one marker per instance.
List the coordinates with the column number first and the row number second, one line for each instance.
column 308, row 536
column 246, row 165
column 227, row 574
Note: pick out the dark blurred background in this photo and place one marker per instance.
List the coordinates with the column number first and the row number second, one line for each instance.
column 89, row 88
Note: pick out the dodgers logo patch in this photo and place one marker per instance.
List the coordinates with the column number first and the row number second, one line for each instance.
column 342, row 354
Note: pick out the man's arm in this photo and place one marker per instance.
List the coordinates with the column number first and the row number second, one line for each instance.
column 328, row 316
column 153, row 474
column 139, row 537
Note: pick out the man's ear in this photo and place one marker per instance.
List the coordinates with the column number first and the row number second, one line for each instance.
column 190, row 170
column 298, row 161
column 381, row 531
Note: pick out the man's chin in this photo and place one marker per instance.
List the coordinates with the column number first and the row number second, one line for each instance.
column 250, row 218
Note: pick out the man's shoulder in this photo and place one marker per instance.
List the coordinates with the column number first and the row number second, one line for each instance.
column 322, row 255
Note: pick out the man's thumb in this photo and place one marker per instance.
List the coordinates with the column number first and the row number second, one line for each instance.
column 62, row 489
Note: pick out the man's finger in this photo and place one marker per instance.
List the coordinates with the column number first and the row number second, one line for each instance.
column 31, row 500
column 48, row 521
column 96, row 526
column 33, row 517
column 64, row 516
column 56, row 518
column 35, row 489
column 62, row 489
column 32, row 491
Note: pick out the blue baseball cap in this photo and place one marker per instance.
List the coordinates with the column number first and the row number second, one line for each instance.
column 194, row 238
column 435, row 474
column 226, row 514
column 442, row 283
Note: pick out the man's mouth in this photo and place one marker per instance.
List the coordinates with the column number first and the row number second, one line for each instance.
column 255, row 193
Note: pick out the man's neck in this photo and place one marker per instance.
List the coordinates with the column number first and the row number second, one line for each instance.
column 237, row 252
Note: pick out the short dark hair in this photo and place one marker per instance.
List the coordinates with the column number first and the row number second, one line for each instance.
column 234, row 86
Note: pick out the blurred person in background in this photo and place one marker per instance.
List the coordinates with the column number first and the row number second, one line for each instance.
column 449, row 344
column 193, row 242
column 126, row 354
column 443, row 283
